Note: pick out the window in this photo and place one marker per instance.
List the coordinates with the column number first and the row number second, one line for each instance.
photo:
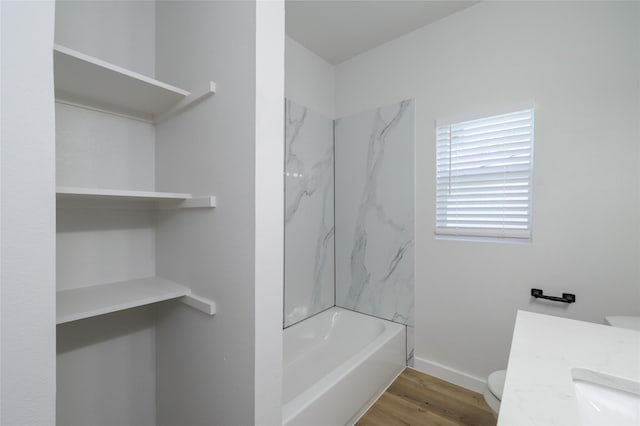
column 484, row 172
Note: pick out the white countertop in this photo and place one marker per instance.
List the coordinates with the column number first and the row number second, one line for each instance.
column 539, row 386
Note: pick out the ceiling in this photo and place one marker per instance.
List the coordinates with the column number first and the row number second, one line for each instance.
column 338, row 30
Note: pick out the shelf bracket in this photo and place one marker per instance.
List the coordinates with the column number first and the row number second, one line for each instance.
column 199, row 303
column 207, row 201
column 195, row 96
column 198, row 202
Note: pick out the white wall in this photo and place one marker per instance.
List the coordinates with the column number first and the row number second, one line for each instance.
column 269, row 217
column 100, row 150
column 580, row 63
column 1, row 258
column 106, row 365
column 309, row 79
column 83, row 26
column 107, row 370
column 205, row 364
column 93, row 245
column 28, row 215
column 222, row 370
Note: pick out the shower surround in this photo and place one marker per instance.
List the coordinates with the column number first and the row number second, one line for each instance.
column 372, row 271
column 374, row 169
column 309, row 230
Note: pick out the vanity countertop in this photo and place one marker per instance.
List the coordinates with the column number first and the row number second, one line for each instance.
column 539, row 386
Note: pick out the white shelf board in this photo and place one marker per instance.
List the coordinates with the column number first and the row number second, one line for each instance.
column 97, row 193
column 85, row 302
column 85, row 80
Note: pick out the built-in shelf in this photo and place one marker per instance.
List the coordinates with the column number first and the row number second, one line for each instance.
column 170, row 199
column 92, row 83
column 84, row 80
column 74, row 191
column 85, row 302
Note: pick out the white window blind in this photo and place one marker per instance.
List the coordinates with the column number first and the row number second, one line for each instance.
column 484, row 174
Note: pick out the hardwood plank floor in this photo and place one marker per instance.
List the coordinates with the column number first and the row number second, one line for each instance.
column 417, row 399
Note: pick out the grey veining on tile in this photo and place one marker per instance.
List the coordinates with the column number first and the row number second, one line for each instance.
column 309, row 202
column 375, row 212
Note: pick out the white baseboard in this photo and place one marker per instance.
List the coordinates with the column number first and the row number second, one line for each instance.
column 449, row 374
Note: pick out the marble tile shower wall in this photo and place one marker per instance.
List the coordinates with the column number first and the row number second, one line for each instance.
column 309, row 285
column 374, row 171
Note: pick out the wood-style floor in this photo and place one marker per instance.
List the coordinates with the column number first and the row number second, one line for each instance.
column 418, row 399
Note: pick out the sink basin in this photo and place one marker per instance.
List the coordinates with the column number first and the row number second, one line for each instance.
column 606, row 400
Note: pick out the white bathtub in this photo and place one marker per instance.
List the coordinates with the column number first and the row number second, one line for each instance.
column 335, row 364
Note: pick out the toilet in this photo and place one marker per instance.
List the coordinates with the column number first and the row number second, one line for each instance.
column 495, row 383
column 493, row 392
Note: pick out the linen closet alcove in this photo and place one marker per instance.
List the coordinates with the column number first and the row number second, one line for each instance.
column 137, row 170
